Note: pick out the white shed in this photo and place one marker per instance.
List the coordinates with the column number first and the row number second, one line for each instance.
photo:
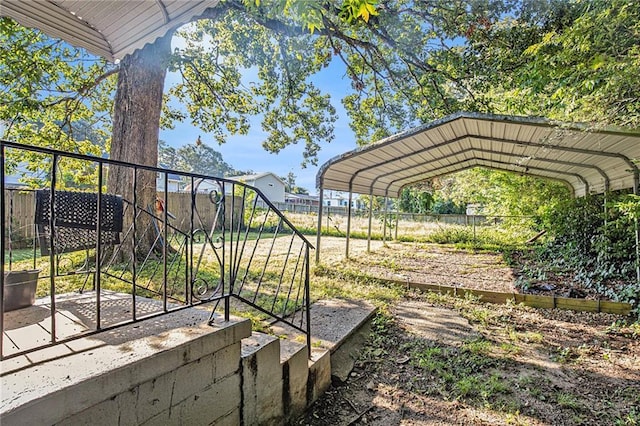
column 270, row 185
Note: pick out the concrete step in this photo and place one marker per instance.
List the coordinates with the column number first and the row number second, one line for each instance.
column 281, row 377
column 338, row 326
column 261, row 380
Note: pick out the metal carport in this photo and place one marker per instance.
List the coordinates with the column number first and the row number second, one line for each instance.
column 587, row 159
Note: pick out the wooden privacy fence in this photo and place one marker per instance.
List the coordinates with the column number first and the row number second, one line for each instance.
column 20, row 214
column 179, row 205
column 19, row 217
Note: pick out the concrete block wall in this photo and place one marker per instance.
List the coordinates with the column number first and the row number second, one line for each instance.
column 178, row 375
column 188, row 375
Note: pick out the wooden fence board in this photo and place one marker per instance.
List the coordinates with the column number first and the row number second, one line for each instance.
column 19, row 215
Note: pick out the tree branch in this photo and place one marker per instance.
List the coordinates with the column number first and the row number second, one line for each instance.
column 84, row 89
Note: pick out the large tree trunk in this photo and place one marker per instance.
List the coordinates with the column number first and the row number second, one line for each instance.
column 136, row 119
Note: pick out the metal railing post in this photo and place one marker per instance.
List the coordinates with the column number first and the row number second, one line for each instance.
column 2, row 249
column 307, row 291
column 52, row 250
column 319, row 233
column 98, row 277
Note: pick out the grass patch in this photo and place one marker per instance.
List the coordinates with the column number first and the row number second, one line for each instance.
column 467, row 373
column 567, row 400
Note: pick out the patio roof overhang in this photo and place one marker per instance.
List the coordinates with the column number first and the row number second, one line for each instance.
column 108, row 28
column 588, row 160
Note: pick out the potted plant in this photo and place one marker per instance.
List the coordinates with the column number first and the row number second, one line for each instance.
column 20, row 288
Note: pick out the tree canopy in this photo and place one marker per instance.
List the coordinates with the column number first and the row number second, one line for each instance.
column 408, row 63
column 196, row 157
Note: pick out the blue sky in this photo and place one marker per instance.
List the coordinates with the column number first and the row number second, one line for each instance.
column 246, row 152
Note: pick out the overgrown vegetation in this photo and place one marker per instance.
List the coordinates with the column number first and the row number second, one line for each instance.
column 592, row 242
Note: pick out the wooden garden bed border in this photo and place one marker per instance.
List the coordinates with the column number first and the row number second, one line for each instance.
column 533, row 300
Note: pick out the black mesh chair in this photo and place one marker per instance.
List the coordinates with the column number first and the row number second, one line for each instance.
column 76, row 220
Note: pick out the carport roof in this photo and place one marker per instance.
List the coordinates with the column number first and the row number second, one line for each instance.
column 587, row 160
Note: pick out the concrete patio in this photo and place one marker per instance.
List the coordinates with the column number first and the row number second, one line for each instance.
column 76, row 314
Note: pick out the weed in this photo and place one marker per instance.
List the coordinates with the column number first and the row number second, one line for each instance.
column 257, row 324
column 478, row 346
column 479, row 315
column 495, row 385
column 532, row 337
column 567, row 400
column 631, row 418
column 467, row 386
column 510, row 348
column 438, row 298
column 527, row 336
column 533, row 386
column 460, row 373
column 565, row 355
column 514, row 418
column 430, row 359
column 391, row 264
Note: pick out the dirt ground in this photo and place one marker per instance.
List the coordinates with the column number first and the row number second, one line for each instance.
column 506, row 364
column 446, row 265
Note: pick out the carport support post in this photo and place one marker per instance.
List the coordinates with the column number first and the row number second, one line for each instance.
column 637, row 251
column 637, row 257
column 2, row 249
column 473, row 220
column 346, row 249
column 606, row 214
column 370, row 218
column 384, row 221
column 397, row 220
column 320, row 205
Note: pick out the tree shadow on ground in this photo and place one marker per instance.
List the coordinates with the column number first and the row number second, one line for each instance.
column 491, row 365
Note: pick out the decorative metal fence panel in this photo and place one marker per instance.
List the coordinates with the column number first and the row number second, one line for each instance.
column 102, row 254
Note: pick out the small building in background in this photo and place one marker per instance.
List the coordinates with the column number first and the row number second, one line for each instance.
column 338, row 199
column 174, row 182
column 302, row 199
column 474, row 209
column 13, row 182
column 268, row 183
column 203, row 186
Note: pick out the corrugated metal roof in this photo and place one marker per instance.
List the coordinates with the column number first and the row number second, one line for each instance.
column 586, row 159
column 108, row 28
